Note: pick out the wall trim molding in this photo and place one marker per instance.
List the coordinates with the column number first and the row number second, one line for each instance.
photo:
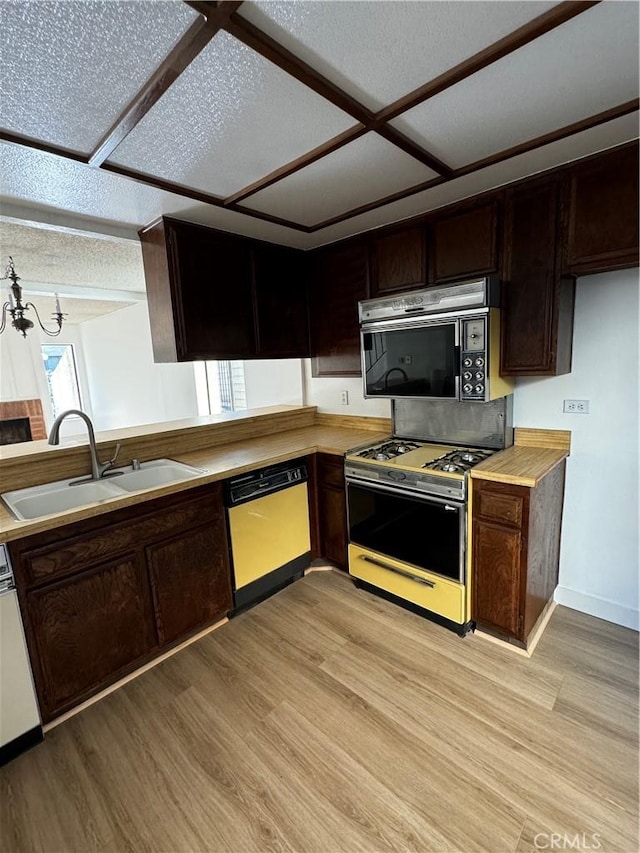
column 601, row 608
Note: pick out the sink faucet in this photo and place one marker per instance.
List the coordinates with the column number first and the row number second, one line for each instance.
column 98, row 469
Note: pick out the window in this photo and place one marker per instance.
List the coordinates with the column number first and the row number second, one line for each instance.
column 62, row 377
column 220, row 386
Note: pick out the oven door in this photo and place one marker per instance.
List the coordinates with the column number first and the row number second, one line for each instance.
column 412, row 361
column 420, row 531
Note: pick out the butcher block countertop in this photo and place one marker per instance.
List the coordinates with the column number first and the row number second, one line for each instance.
column 321, row 433
column 534, row 454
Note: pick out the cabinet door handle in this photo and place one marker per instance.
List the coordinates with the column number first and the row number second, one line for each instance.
column 397, row 571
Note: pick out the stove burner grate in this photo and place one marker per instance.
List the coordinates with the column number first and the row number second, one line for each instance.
column 388, row 450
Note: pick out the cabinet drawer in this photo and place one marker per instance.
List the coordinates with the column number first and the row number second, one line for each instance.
column 331, row 471
column 77, row 553
column 503, row 508
column 438, row 595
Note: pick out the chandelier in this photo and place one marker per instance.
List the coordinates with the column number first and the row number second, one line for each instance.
column 17, row 309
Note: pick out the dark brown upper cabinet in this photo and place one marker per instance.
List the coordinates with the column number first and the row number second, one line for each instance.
column 339, row 280
column 213, row 295
column 537, row 317
column 603, row 221
column 466, row 243
column 399, row 260
column 280, row 287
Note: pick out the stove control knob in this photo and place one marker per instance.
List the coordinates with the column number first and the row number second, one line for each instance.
column 467, row 388
column 467, row 362
column 479, row 374
column 479, row 362
column 467, row 375
column 479, row 389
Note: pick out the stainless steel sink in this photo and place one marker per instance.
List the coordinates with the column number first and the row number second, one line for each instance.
column 60, row 496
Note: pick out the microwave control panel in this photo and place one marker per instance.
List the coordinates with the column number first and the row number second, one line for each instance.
column 473, row 356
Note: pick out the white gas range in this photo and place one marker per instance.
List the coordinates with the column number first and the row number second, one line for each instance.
column 407, row 511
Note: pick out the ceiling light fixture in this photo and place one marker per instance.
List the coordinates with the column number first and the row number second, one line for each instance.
column 17, row 309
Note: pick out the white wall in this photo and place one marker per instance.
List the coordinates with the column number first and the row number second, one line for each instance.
column 127, row 387
column 22, row 375
column 325, row 394
column 599, row 550
column 273, row 382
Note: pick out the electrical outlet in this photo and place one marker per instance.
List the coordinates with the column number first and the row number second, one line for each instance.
column 344, row 398
column 576, row 407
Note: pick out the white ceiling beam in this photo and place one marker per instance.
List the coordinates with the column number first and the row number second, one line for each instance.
column 16, row 213
column 68, row 291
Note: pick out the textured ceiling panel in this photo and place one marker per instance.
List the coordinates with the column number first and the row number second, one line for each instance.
column 54, row 183
column 583, row 67
column 70, row 68
column 380, row 51
column 555, row 154
column 230, row 119
column 43, row 255
column 359, row 172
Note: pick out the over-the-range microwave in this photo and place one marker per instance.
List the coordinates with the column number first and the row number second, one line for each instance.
column 439, row 343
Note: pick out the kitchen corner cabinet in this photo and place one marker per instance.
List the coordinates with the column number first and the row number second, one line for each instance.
column 213, row 295
column 465, row 244
column 515, row 553
column 398, row 261
column 331, row 508
column 101, row 597
column 339, row 280
column 603, row 221
column 537, row 302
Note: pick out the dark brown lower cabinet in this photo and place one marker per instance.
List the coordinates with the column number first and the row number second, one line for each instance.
column 332, row 509
column 101, row 597
column 88, row 627
column 186, row 596
column 515, row 553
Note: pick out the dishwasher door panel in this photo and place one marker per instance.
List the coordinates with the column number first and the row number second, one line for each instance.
column 269, row 532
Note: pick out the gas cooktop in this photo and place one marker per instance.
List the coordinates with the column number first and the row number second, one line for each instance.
column 421, row 456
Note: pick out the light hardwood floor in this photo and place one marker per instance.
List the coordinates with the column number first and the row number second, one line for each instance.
column 328, row 720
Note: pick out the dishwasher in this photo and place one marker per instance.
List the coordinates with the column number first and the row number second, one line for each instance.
column 268, row 516
column 20, row 726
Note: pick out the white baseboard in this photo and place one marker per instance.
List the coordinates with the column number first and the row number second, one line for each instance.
column 611, row 611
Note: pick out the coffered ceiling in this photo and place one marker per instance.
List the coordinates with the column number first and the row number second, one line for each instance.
column 302, row 122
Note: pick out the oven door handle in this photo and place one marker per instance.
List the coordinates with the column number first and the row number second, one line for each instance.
column 397, row 571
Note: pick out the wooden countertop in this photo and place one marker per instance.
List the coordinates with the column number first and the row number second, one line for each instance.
column 529, row 460
column 220, row 462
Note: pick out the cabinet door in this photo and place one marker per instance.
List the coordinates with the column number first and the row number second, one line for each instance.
column 603, row 223
column 340, row 281
column 537, row 322
column 332, row 509
column 497, row 590
column 89, row 630
column 213, row 300
column 280, row 280
column 190, row 579
column 399, row 261
column 466, row 244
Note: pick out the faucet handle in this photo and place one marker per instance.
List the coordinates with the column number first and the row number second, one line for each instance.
column 103, row 467
column 115, row 455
